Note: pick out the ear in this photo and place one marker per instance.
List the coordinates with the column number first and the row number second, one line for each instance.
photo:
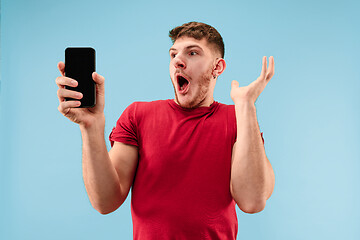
column 219, row 68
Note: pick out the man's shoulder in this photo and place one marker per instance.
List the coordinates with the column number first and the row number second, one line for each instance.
column 146, row 107
column 226, row 110
column 224, row 106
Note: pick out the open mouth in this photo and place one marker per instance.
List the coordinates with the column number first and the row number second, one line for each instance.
column 183, row 84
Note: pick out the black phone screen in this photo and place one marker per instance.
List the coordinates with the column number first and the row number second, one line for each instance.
column 79, row 65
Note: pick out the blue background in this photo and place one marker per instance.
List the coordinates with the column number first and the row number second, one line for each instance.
column 309, row 112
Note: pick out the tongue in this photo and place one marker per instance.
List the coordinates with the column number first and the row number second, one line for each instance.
column 184, row 86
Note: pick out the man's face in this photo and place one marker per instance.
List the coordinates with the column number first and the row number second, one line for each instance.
column 191, row 66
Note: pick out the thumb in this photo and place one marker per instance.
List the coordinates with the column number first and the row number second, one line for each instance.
column 98, row 78
column 234, row 84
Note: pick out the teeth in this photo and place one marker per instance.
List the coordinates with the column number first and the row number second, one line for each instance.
column 182, row 87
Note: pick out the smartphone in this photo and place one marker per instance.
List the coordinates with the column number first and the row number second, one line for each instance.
column 79, row 65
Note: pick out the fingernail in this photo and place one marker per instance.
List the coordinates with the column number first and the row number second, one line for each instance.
column 73, row 82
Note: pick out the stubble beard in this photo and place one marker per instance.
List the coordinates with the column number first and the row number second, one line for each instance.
column 200, row 96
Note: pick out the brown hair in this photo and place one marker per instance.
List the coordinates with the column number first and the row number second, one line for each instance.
column 199, row 31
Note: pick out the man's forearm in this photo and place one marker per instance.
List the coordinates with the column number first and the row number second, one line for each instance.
column 252, row 177
column 100, row 177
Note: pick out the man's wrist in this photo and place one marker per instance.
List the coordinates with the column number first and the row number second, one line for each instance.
column 244, row 103
column 95, row 123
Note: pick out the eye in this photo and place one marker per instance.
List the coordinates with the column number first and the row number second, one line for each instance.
column 172, row 55
column 192, row 53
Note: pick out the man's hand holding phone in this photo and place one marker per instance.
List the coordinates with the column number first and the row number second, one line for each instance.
column 85, row 117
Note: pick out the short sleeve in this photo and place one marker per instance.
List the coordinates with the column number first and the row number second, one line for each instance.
column 126, row 128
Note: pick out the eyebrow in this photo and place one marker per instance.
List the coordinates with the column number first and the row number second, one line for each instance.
column 190, row 46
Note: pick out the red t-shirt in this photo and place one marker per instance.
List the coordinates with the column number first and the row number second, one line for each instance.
column 181, row 188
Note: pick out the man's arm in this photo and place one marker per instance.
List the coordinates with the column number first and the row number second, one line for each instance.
column 107, row 176
column 252, row 177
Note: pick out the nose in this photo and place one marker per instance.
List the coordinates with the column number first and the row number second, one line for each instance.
column 179, row 62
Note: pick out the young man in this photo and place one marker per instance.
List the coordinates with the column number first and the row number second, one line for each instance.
column 188, row 160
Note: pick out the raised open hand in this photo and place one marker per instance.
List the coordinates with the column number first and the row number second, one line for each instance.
column 251, row 92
